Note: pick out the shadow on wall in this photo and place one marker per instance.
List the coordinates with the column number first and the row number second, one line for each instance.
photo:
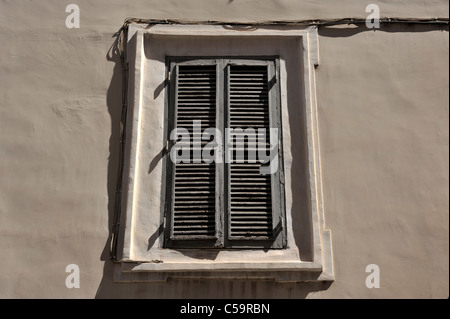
column 114, row 103
column 351, row 30
column 177, row 288
column 194, row 288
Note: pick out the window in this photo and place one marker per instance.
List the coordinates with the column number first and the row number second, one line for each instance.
column 257, row 219
column 224, row 173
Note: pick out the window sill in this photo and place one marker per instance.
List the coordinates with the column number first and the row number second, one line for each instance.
column 283, row 272
column 279, row 265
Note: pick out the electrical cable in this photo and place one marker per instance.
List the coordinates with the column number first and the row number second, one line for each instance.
column 309, row 22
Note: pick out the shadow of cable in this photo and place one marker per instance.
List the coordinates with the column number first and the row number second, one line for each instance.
column 114, row 104
column 344, row 32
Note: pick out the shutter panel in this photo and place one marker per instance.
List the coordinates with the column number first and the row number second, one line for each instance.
column 250, row 202
column 194, row 205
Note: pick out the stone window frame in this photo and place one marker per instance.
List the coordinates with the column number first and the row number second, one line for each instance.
column 152, row 263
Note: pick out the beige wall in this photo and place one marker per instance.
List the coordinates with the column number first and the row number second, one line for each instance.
column 383, row 113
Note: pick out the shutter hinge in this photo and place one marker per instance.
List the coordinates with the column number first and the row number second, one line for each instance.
column 169, row 77
column 166, row 148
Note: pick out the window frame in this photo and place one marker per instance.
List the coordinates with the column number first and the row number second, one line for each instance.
column 223, row 238
column 139, row 256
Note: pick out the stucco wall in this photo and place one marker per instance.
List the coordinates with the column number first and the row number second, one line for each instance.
column 383, row 114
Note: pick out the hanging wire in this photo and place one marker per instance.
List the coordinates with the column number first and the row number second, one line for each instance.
column 121, row 49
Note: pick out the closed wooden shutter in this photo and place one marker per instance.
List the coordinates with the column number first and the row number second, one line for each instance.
column 194, row 205
column 250, row 211
column 226, row 204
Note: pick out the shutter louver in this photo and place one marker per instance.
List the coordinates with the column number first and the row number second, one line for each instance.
column 194, row 207
column 250, row 192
